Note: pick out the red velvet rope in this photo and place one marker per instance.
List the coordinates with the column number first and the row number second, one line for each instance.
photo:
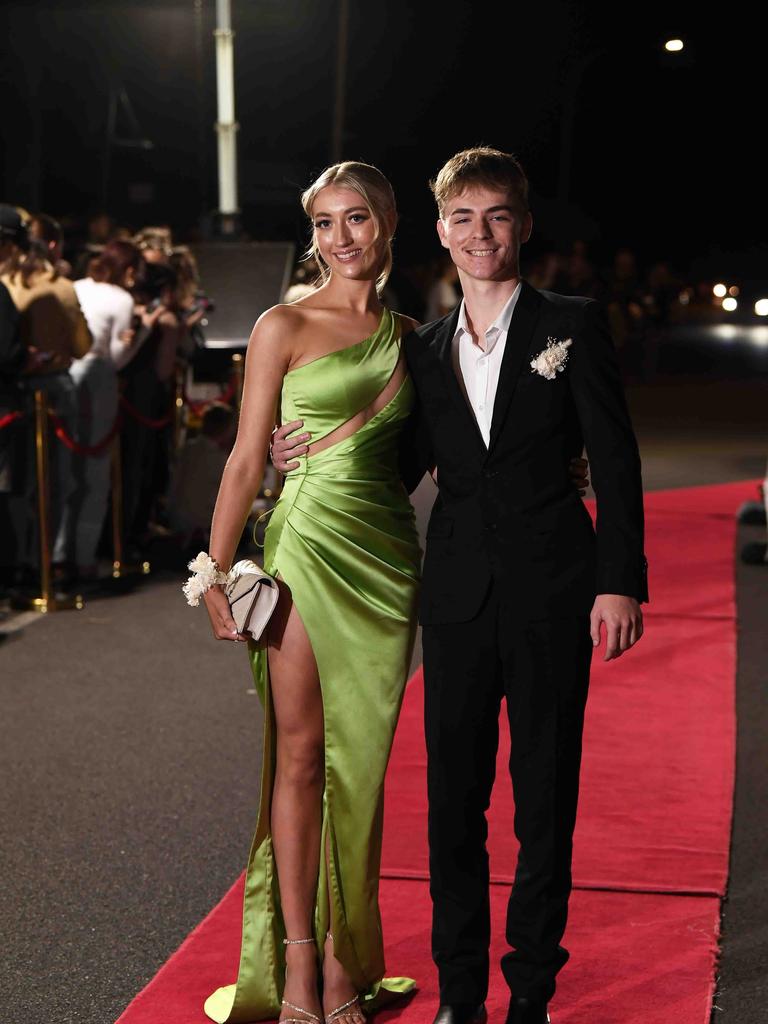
column 83, row 449
column 97, row 449
column 142, row 419
column 198, row 408
column 9, row 418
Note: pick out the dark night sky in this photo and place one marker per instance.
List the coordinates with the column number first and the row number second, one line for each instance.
column 666, row 158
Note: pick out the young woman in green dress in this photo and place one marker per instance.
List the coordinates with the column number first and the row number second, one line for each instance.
column 342, row 542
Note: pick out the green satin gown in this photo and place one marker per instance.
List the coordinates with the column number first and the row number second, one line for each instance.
column 343, row 537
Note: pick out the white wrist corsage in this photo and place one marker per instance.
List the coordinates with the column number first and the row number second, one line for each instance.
column 552, row 359
column 206, row 575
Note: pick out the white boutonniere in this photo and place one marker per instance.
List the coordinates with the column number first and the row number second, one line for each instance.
column 552, row 359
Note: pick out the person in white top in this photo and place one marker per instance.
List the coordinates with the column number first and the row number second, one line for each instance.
column 108, row 307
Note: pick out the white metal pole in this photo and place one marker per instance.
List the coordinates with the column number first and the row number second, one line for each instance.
column 226, row 126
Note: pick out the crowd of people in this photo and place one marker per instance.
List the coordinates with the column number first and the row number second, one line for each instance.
column 105, row 325
column 103, row 335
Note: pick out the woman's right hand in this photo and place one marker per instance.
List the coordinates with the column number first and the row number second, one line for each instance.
column 219, row 613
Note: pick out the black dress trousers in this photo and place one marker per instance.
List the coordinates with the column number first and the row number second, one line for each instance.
column 542, row 669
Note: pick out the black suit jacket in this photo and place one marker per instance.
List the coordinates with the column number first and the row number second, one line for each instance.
column 509, row 513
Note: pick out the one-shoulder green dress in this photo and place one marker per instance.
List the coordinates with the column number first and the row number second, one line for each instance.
column 343, row 537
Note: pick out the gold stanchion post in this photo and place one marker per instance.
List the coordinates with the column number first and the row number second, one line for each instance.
column 48, row 601
column 238, row 370
column 119, row 567
column 178, row 408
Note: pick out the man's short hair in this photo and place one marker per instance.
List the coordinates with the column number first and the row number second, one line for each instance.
column 480, row 166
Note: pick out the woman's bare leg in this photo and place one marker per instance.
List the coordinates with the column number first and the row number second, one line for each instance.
column 296, row 811
column 297, row 795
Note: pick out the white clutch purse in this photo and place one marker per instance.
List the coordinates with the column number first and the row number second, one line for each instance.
column 252, row 595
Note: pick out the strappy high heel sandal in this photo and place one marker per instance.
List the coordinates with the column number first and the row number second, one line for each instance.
column 309, row 1017
column 346, row 1009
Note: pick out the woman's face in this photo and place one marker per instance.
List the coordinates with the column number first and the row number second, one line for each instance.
column 345, row 232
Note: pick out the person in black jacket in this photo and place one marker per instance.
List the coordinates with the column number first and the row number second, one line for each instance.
column 517, row 585
column 16, row 358
column 11, row 360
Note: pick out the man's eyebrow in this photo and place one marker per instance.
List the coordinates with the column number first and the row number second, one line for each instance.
column 352, row 209
column 491, row 209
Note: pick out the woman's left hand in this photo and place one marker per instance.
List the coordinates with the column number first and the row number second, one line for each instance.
column 220, row 614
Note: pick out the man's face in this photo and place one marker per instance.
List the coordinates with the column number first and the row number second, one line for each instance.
column 483, row 229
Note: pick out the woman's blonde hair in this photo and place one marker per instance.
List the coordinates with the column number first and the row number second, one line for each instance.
column 377, row 194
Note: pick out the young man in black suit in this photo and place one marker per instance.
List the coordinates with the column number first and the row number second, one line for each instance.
column 517, row 585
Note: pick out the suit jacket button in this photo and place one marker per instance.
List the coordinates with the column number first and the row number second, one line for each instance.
column 490, row 527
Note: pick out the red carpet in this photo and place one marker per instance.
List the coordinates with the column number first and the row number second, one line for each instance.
column 654, row 820
column 636, row 960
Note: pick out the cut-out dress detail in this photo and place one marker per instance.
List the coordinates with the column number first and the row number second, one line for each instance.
column 343, row 538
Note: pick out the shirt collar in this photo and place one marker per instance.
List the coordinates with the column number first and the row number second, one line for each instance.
column 499, row 326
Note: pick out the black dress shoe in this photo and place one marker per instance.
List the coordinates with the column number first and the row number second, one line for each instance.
column 461, row 1013
column 527, row 1011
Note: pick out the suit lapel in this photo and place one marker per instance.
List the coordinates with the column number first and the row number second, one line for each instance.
column 443, row 343
column 517, row 354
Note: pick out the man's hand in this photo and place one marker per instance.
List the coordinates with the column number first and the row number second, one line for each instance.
column 285, row 448
column 578, row 470
column 623, row 623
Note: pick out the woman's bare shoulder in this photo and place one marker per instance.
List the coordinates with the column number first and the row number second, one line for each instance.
column 271, row 337
column 276, row 323
column 291, row 316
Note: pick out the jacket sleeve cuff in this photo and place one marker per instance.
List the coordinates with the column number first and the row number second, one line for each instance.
column 628, row 580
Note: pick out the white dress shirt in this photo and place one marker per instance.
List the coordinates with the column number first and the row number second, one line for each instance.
column 477, row 365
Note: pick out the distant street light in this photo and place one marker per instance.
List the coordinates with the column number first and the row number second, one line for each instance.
column 761, row 307
column 729, row 305
column 573, row 85
column 720, row 291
